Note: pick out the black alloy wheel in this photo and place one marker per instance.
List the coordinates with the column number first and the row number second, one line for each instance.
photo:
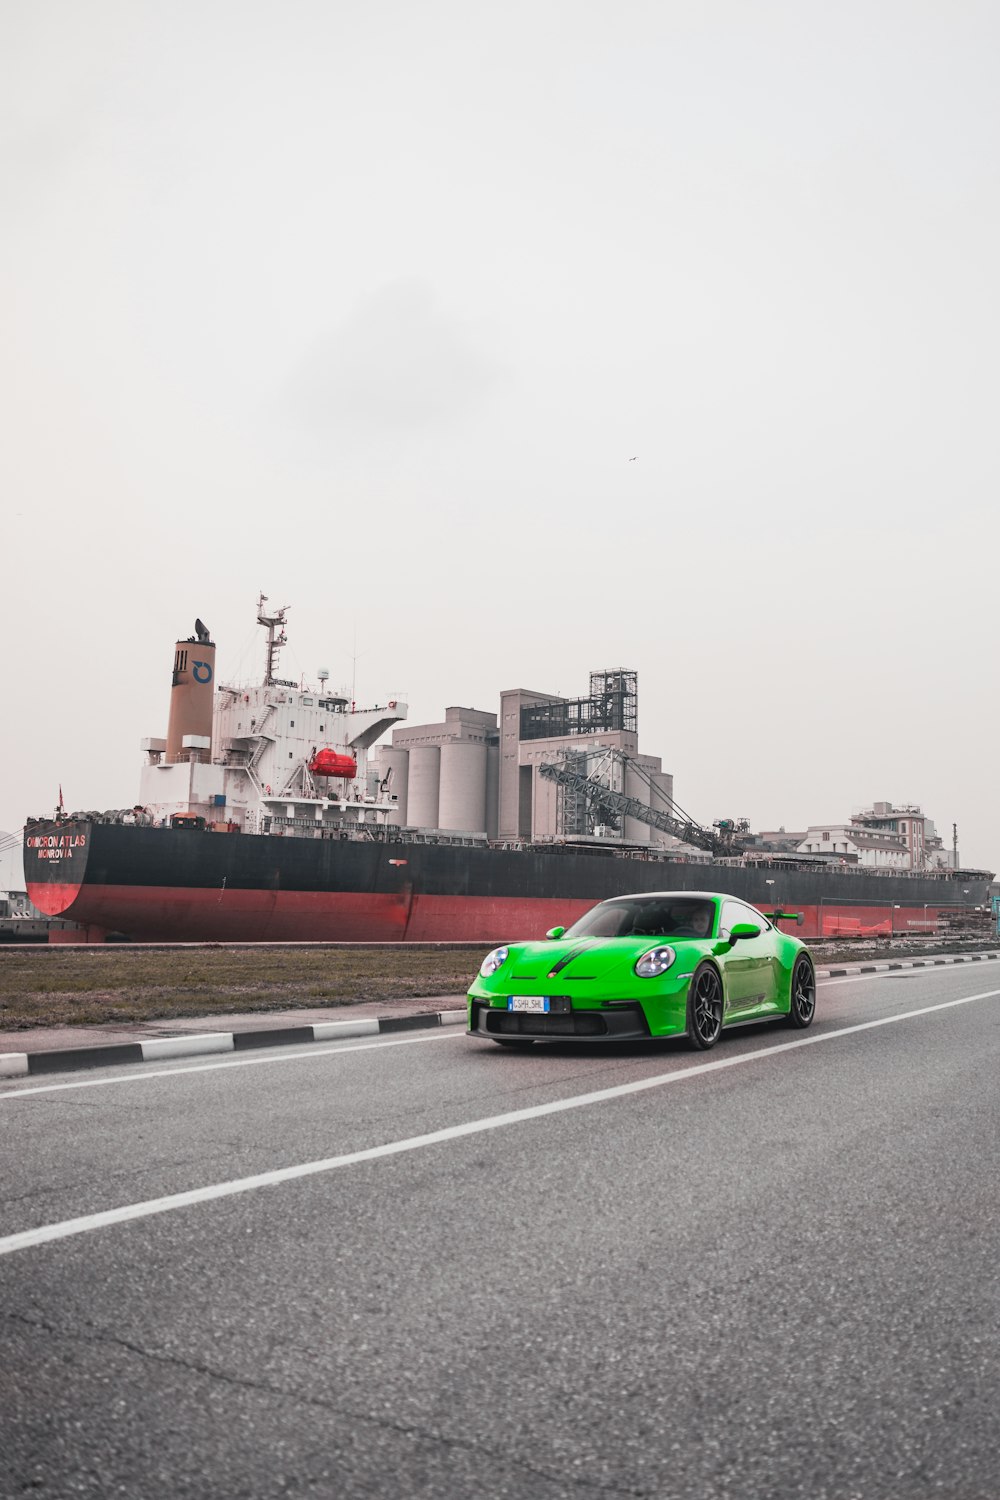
column 704, row 1008
column 803, row 993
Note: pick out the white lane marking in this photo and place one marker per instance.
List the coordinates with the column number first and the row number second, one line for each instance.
column 297, row 1052
column 31, row 1237
column 280, row 1056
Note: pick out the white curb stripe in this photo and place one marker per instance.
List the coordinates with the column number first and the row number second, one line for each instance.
column 48, row 1232
column 159, row 1047
column 329, row 1031
column 917, row 963
column 257, row 1058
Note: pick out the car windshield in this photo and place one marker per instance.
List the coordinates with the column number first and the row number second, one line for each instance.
column 647, row 917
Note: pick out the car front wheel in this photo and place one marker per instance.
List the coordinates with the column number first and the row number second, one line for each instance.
column 803, row 994
column 704, row 1008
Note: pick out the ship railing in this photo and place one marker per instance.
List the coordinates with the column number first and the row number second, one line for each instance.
column 392, row 833
column 561, row 847
column 831, row 867
column 305, row 825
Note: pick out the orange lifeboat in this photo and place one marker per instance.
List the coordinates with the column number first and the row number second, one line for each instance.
column 331, row 763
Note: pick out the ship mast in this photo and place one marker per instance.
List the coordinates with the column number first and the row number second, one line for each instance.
column 276, row 637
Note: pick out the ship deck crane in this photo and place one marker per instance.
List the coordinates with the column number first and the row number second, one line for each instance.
column 725, row 841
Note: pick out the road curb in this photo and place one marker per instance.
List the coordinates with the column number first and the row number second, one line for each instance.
column 913, row 963
column 157, row 1049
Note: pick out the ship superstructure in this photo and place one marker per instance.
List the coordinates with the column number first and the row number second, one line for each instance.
column 274, row 757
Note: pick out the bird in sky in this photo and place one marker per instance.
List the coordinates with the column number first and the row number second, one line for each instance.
column 632, row 460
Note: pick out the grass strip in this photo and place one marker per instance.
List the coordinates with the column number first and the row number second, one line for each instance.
column 78, row 987
column 97, row 984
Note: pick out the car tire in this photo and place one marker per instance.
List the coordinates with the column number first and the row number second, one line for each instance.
column 802, row 994
column 704, row 1007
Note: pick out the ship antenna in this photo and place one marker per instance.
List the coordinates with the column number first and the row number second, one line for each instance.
column 354, row 669
column 276, row 637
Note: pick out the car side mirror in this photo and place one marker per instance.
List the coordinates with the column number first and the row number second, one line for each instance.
column 743, row 930
column 555, row 932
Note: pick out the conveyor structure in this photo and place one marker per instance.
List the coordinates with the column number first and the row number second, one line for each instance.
column 724, row 839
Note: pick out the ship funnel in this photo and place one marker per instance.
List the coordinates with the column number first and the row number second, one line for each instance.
column 192, row 694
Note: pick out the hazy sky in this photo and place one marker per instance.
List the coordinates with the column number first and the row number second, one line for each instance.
column 369, row 306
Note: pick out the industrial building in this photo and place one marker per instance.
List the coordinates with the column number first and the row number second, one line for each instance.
column 491, row 775
column 901, row 838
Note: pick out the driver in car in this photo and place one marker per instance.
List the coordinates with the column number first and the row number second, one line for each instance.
column 696, row 922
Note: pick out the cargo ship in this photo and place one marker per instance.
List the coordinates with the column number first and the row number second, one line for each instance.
column 263, row 818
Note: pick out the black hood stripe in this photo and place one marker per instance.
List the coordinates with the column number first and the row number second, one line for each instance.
column 569, row 957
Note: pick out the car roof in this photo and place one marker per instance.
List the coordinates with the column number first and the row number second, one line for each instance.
column 674, row 896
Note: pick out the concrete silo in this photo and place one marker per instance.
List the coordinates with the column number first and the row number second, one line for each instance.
column 462, row 803
column 661, row 799
column 492, row 790
column 423, row 786
column 637, row 786
column 394, row 768
column 662, row 795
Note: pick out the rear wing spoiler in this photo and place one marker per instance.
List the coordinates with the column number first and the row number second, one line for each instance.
column 785, row 916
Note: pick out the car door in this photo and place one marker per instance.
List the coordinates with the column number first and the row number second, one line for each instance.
column 749, row 964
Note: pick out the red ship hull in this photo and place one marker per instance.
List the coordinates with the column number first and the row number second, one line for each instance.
column 159, row 885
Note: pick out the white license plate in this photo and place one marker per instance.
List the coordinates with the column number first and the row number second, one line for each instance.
column 528, row 1002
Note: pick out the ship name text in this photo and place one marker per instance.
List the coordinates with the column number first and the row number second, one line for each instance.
column 56, row 845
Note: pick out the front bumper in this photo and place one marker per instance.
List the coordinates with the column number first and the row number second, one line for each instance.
column 622, row 1021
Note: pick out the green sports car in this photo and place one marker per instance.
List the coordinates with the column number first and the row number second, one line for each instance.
column 653, row 965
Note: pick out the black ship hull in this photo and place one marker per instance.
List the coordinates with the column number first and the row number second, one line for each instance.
column 183, row 885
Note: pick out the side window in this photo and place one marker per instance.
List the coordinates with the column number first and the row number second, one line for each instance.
column 732, row 912
column 735, row 911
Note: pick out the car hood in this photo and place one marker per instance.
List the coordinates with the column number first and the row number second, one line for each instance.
column 580, row 959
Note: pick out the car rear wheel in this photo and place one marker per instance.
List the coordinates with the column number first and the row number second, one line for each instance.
column 803, row 994
column 704, row 1008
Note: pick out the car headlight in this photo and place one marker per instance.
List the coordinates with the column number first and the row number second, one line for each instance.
column 493, row 961
column 656, row 961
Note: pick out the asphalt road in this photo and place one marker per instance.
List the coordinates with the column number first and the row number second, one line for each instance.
column 763, row 1272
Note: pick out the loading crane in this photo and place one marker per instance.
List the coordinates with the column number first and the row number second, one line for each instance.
column 724, row 838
